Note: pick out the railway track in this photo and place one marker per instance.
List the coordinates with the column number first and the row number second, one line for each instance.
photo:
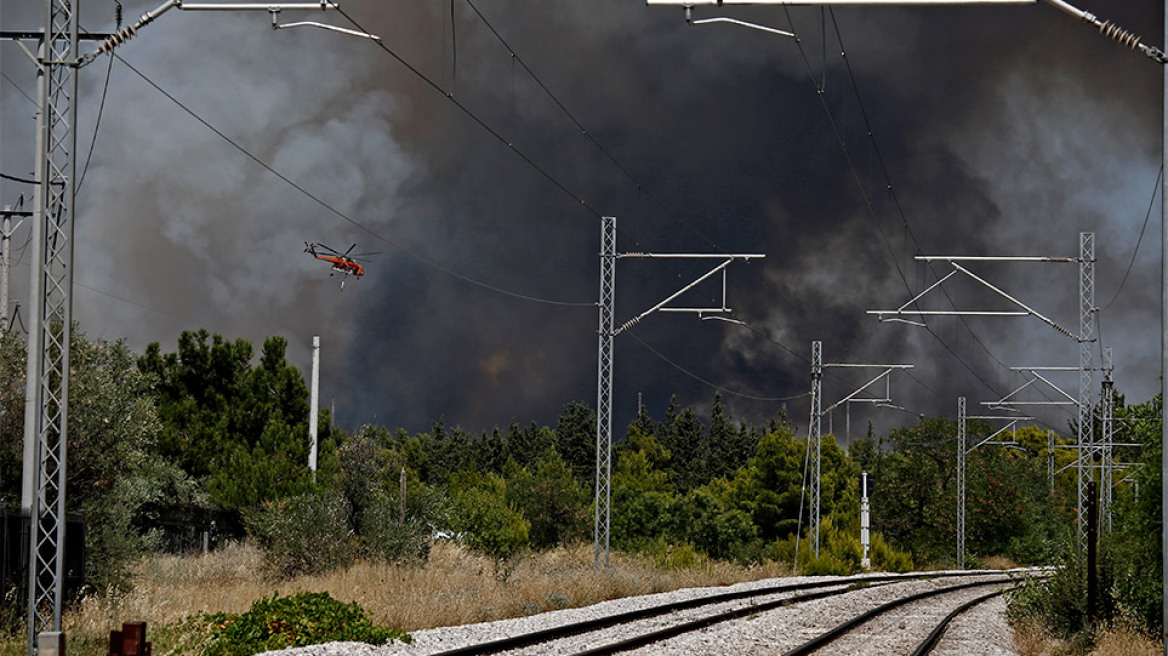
column 843, row 616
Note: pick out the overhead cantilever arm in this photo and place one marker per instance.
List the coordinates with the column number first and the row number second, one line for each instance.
column 274, row 8
column 728, row 259
column 1106, row 28
column 1026, row 309
column 884, row 375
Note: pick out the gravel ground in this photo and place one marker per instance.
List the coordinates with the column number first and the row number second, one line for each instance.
column 982, row 631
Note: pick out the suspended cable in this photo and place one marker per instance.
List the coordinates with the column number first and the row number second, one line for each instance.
column 864, row 194
column 449, row 95
column 1140, row 240
column 97, row 124
column 136, row 303
column 590, row 137
column 909, row 234
column 17, row 87
column 316, row 199
column 16, row 179
column 708, row 383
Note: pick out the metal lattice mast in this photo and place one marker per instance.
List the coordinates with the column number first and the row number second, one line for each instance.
column 1086, row 414
column 607, row 331
column 604, row 388
column 57, row 60
column 47, row 382
column 814, row 437
column 815, row 430
column 1106, row 443
column 961, row 422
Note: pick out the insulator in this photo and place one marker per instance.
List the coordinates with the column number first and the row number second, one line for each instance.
column 118, row 14
column 1113, row 31
column 117, row 38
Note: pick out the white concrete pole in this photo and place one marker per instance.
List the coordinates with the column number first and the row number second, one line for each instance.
column 314, row 413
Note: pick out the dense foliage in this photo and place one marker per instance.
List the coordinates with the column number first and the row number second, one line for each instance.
column 294, row 621
column 215, row 427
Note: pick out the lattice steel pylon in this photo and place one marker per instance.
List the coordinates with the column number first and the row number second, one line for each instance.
column 815, row 428
column 604, row 388
column 1106, row 443
column 50, row 315
column 814, row 443
column 1087, row 446
column 604, row 361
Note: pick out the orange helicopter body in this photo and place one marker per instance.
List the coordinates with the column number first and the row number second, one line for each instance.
column 341, row 262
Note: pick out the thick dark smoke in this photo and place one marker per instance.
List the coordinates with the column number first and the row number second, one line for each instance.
column 1002, row 131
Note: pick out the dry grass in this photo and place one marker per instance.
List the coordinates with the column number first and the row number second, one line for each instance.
column 1033, row 640
column 998, row 562
column 454, row 587
column 1123, row 641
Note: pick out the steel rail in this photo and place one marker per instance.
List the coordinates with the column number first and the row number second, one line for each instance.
column 832, row 634
column 927, row 645
column 701, row 623
column 576, row 628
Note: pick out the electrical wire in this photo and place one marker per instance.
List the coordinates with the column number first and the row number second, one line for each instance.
column 449, row 94
column 1140, row 240
column 316, row 199
column 16, row 179
column 556, row 182
column 136, row 303
column 891, row 190
column 591, row 138
column 904, row 218
column 97, row 124
column 17, row 87
column 708, row 383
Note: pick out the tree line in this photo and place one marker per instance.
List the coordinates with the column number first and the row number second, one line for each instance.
column 216, row 425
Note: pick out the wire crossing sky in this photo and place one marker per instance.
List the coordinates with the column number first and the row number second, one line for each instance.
column 994, row 130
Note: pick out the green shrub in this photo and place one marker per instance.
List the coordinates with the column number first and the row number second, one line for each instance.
column 667, row 555
column 385, row 538
column 1058, row 602
column 552, row 501
column 885, row 558
column 295, row 621
column 481, row 515
column 840, row 553
column 306, row 534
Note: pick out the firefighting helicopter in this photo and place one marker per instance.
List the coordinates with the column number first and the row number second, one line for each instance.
column 342, row 262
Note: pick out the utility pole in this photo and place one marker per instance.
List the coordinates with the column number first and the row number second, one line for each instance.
column 814, row 428
column 1106, row 443
column 314, row 412
column 865, row 512
column 604, row 360
column 57, row 59
column 1086, row 397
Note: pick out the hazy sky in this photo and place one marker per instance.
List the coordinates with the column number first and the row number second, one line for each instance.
column 995, row 131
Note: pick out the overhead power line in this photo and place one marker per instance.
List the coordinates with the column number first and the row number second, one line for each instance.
column 707, row 382
column 333, row 210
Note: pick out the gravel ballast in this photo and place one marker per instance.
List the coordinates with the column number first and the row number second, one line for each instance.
column 981, row 631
